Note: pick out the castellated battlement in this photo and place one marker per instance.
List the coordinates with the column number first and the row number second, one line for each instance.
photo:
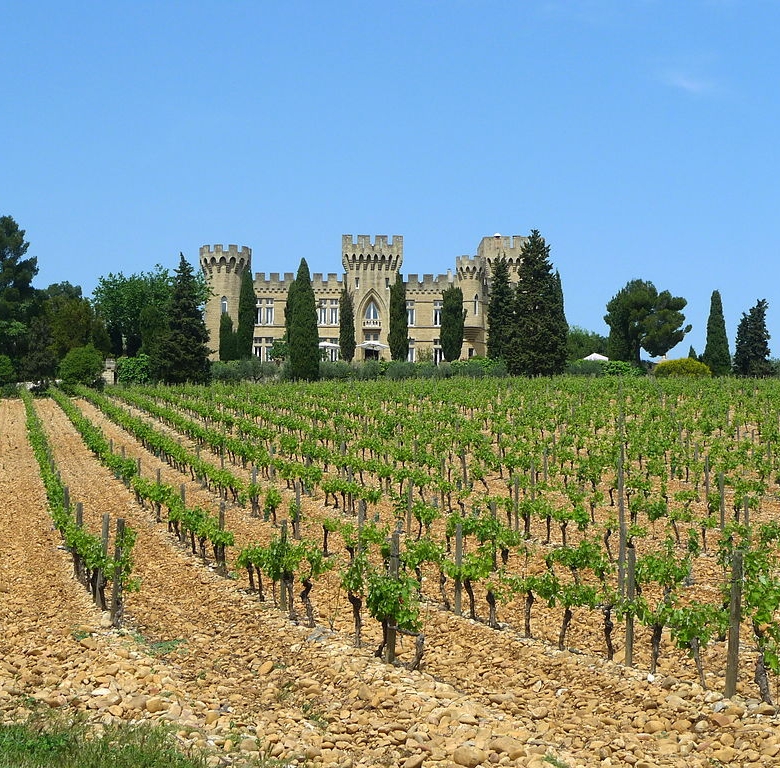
column 273, row 283
column 364, row 245
column 380, row 255
column 429, row 283
column 218, row 259
column 469, row 268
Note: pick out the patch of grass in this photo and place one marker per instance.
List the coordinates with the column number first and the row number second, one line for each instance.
column 164, row 647
column 554, row 761
column 55, row 742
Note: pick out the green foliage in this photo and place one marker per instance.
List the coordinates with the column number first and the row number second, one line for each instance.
column 55, row 741
column 302, row 332
column 227, row 339
column 398, row 337
column 247, row 315
column 18, row 299
column 133, row 370
column 751, row 352
column 621, row 368
column 394, row 600
column 346, row 326
column 120, row 301
column 581, row 343
column 500, row 312
column 453, row 318
column 7, row 373
column 39, row 363
column 183, row 352
column 639, row 317
column 716, row 351
column 539, row 331
column 684, row 366
column 82, row 365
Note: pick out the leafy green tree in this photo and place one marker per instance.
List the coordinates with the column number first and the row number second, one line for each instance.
column 346, row 325
column 39, row 363
column 153, row 326
column 7, row 372
column 539, row 331
column 133, row 370
column 716, row 351
column 303, row 335
column 227, row 339
column 247, row 314
column 398, row 337
column 453, row 317
column 639, row 317
column 19, row 301
column 73, row 321
column 120, row 300
column 500, row 312
column 581, row 343
column 82, row 365
column 751, row 350
column 183, row 351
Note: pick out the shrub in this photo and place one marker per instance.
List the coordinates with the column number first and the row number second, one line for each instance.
column 133, row 370
column 621, row 368
column 82, row 365
column 682, row 367
column 340, row 370
column 7, row 373
column 399, row 369
column 586, row 368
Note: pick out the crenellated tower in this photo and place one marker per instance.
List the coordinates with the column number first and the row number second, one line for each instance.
column 491, row 249
column 370, row 269
column 223, row 268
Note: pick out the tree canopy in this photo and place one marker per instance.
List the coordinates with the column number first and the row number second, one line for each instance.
column 751, row 350
column 183, row 349
column 398, row 337
column 716, row 351
column 539, row 330
column 453, row 317
column 580, row 343
column 500, row 312
column 346, row 325
column 303, row 334
column 639, row 317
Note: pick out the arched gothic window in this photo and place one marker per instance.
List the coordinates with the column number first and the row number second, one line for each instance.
column 223, row 305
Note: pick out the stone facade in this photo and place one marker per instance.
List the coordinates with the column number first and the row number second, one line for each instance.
column 370, row 268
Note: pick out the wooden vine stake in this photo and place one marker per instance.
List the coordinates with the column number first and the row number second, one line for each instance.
column 630, row 594
column 282, row 585
column 458, row 565
column 735, row 617
column 221, row 565
column 117, row 603
column 393, row 573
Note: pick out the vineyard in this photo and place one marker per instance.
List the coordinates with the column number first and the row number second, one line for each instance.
column 570, row 572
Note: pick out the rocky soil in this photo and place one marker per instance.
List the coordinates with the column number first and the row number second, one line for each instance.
column 233, row 674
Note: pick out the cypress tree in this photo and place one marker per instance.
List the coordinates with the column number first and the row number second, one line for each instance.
column 500, row 312
column 183, row 351
column 346, row 325
column 751, row 350
column 716, row 351
column 453, row 317
column 539, row 330
column 227, row 339
column 247, row 315
column 399, row 321
column 303, row 335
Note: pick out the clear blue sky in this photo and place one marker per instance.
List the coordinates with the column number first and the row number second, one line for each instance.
column 639, row 136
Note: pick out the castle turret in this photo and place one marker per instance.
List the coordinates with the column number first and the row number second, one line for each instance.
column 501, row 247
column 223, row 268
column 472, row 280
column 371, row 268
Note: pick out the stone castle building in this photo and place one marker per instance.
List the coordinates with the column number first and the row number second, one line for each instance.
column 370, row 268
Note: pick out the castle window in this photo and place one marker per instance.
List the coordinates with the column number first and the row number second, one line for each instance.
column 357, row 282
column 410, row 313
column 321, row 312
column 476, row 305
column 438, row 355
column 334, row 311
column 410, row 356
column 266, row 313
column 223, row 305
column 437, row 312
column 372, row 311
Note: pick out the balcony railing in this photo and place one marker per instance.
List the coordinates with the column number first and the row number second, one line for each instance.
column 372, row 322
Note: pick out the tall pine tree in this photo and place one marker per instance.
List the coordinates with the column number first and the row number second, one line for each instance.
column 398, row 337
column 751, row 350
column 247, row 314
column 183, row 351
column 453, row 317
column 716, row 351
column 227, row 339
column 346, row 325
column 500, row 312
column 538, row 344
column 303, row 335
